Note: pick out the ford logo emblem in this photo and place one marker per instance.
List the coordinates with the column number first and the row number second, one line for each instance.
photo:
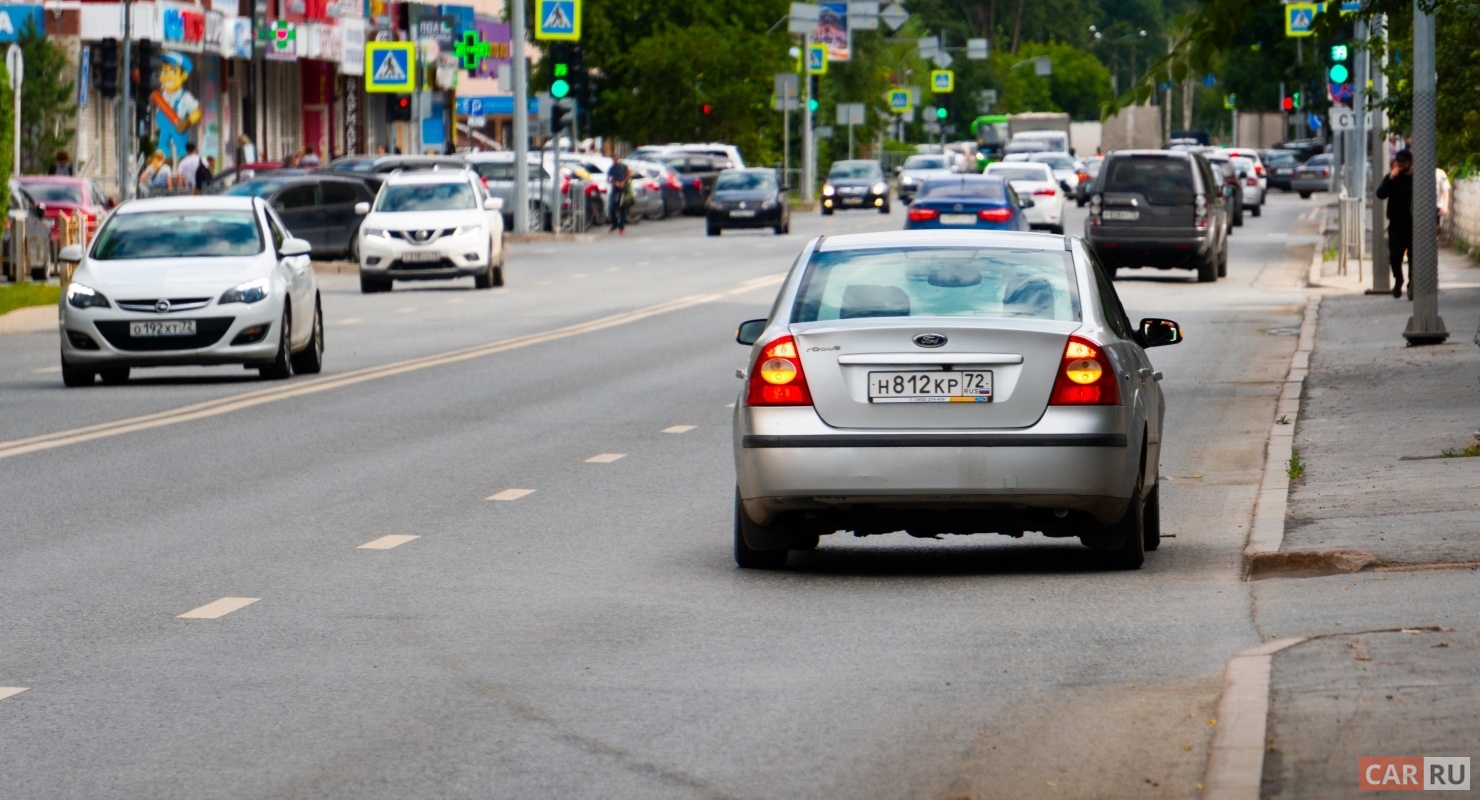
column 162, row 306
column 930, row 340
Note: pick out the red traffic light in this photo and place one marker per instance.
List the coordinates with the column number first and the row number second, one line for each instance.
column 1288, row 104
column 707, row 108
column 403, row 102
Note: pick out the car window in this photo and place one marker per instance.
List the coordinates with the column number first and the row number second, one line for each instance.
column 276, row 229
column 338, row 192
column 928, row 282
column 1162, row 181
column 976, row 189
column 924, row 162
column 300, row 196
column 1109, row 301
column 1054, row 161
column 744, row 181
column 178, row 234
column 426, row 197
column 55, row 192
column 255, row 188
column 852, row 170
column 1019, row 172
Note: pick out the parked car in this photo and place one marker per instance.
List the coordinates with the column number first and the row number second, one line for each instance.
column 431, row 225
column 665, row 192
column 230, row 177
column 24, row 208
column 1162, row 209
column 747, row 198
column 497, row 171
column 1313, row 176
column 1253, row 189
column 1281, row 165
column 698, row 173
column 191, row 280
column 373, row 169
column 920, row 168
column 955, row 382
column 978, row 202
column 855, row 184
column 56, row 195
column 1035, row 181
column 317, row 207
column 1224, row 167
column 1086, row 180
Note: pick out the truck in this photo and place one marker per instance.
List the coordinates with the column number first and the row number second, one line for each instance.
column 1049, row 127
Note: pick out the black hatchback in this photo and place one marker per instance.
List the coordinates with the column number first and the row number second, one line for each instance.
column 747, row 198
column 316, row 206
column 1159, row 208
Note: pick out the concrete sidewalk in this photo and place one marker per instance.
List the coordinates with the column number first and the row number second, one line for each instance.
column 1391, row 667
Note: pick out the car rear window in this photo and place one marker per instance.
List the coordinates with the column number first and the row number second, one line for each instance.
column 1162, row 181
column 1023, row 173
column 939, row 282
column 976, row 189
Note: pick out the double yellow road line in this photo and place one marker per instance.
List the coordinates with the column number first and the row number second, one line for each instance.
column 301, row 388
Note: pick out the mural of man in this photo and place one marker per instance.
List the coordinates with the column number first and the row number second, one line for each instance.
column 175, row 109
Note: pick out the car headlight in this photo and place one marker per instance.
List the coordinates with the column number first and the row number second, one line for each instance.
column 768, row 205
column 828, row 191
column 907, row 180
column 374, row 233
column 468, row 229
column 80, row 296
column 880, row 188
column 249, row 292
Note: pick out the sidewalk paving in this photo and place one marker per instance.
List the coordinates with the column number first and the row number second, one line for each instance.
column 1375, row 419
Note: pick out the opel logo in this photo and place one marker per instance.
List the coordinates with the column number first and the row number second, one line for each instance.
column 930, row 340
column 162, row 306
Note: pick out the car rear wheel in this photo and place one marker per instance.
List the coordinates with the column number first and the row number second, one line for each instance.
column 1259, row 210
column 1223, row 262
column 281, row 367
column 1207, row 269
column 1151, row 519
column 1305, row 195
column 1124, row 543
column 311, row 360
column 114, row 376
column 747, row 557
column 1056, row 229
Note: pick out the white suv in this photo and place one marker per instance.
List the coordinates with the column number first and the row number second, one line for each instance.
column 431, row 225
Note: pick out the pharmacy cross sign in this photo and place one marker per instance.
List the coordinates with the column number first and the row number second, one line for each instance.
column 472, row 49
column 280, row 34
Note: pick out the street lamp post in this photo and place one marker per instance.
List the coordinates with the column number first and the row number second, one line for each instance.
column 1425, row 326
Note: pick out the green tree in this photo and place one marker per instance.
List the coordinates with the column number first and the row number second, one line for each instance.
column 48, row 103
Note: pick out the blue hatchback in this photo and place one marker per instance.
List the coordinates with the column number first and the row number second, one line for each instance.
column 981, row 202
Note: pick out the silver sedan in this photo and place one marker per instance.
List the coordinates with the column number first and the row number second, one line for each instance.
column 948, row 382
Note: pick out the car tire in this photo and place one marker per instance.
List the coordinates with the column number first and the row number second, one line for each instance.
column 1305, row 195
column 826, row 212
column 1057, row 230
column 498, row 274
column 884, row 209
column 1110, row 270
column 310, row 361
column 372, row 285
column 778, row 229
column 281, row 366
column 1223, row 262
column 485, row 279
column 1238, row 217
column 114, row 376
column 1130, row 531
column 74, row 377
column 1151, row 520
column 711, row 230
column 1207, row 269
column 1259, row 210
column 1079, row 202
column 747, row 557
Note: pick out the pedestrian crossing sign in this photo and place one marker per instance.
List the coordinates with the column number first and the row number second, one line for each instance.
column 1300, row 18
column 899, row 101
column 558, row 20
column 817, row 59
column 390, row 67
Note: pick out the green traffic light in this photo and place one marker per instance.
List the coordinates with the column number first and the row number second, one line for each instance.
column 812, row 105
column 1339, row 73
column 941, row 113
column 559, row 89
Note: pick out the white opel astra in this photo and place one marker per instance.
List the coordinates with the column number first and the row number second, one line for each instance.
column 948, row 382
column 190, row 281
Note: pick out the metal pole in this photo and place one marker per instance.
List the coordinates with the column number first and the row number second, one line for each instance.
column 521, row 119
column 557, row 181
column 1425, row 326
column 1380, row 272
column 126, row 184
column 785, row 138
column 850, row 139
column 809, row 147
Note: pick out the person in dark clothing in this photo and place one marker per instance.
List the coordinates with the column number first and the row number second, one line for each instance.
column 62, row 165
column 1397, row 189
column 621, row 180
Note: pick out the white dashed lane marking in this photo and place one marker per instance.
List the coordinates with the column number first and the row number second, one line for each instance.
column 581, row 275
column 406, row 310
column 386, row 542
column 680, row 428
column 510, row 494
column 47, row 369
column 219, row 608
column 10, row 691
column 350, row 321
column 605, row 458
column 729, row 405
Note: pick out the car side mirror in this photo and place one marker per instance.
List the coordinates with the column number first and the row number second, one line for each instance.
column 750, row 331
column 362, row 208
column 1026, row 203
column 1156, row 332
column 72, row 253
column 493, row 204
column 294, row 246
column 1064, row 185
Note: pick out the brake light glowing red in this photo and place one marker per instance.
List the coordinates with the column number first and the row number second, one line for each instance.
column 1258, row 169
column 994, row 214
column 1047, row 192
column 776, row 378
column 923, row 214
column 1086, row 377
column 653, row 185
column 698, row 184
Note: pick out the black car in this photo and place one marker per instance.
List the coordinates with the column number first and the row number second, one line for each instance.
column 1162, row 209
column 855, row 184
column 373, row 169
column 315, row 206
column 697, row 173
column 747, row 198
column 1281, row 166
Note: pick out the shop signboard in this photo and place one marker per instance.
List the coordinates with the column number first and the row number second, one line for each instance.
column 352, row 52
column 15, row 19
column 182, row 27
column 499, row 46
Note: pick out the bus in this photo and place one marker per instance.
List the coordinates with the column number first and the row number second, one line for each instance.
column 991, row 136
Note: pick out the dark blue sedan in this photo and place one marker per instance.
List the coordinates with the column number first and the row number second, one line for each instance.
column 981, row 202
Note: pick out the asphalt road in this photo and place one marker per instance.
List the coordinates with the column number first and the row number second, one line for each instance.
column 591, row 638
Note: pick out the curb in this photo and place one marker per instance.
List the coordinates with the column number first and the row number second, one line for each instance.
column 1236, row 758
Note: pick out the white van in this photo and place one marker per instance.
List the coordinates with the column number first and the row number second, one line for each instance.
column 1058, row 141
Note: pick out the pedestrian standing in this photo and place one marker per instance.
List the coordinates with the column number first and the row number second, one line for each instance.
column 1397, row 189
column 310, row 158
column 188, row 170
column 62, row 165
column 620, row 177
column 246, row 152
column 155, row 179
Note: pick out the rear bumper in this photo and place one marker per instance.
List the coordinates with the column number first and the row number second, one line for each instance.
column 1079, row 459
column 1310, row 184
column 762, row 219
column 1161, row 251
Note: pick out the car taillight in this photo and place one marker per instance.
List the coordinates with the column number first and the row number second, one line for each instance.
column 565, row 186
column 674, row 184
column 1253, row 181
column 1082, row 177
column 1200, row 210
column 1085, row 377
column 923, row 214
column 698, row 184
column 777, row 379
column 1325, row 173
column 1048, row 192
column 994, row 214
column 1258, row 169
column 653, row 186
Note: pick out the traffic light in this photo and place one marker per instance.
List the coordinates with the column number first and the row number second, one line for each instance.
column 560, row 72
column 559, row 110
column 944, row 109
column 1296, row 97
column 706, row 108
column 1288, row 104
column 105, row 55
column 398, row 108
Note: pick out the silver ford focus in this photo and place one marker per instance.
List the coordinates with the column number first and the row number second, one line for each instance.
column 948, row 382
